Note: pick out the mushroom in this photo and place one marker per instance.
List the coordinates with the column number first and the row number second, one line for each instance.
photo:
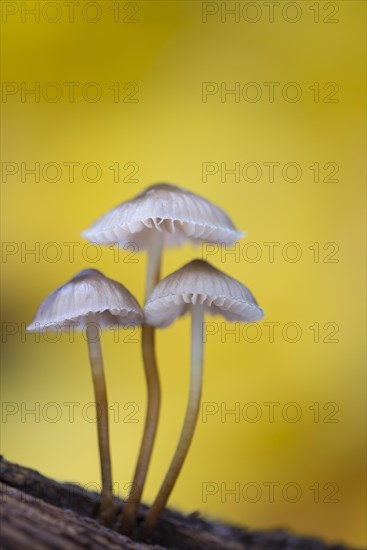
column 198, row 287
column 162, row 215
column 90, row 302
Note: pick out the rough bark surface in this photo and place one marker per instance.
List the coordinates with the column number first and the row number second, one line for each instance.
column 38, row 513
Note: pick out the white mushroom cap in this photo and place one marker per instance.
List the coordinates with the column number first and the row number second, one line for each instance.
column 178, row 213
column 198, row 282
column 88, row 293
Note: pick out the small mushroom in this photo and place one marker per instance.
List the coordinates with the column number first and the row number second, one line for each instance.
column 90, row 302
column 162, row 215
column 197, row 288
column 175, row 214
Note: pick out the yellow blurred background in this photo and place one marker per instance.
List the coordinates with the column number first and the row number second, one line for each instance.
column 131, row 93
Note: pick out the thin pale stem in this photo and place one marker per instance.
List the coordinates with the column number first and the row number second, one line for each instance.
column 155, row 249
column 107, row 508
column 154, row 393
column 189, row 425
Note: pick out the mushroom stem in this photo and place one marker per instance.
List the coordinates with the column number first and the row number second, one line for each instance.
column 192, row 412
column 155, row 249
column 153, row 389
column 107, row 508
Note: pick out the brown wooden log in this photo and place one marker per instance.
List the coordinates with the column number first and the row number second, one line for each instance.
column 38, row 513
column 30, row 523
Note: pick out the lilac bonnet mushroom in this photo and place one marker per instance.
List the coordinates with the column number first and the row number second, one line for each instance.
column 91, row 301
column 162, row 215
column 197, row 288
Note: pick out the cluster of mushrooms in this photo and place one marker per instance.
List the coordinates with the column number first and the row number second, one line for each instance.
column 162, row 215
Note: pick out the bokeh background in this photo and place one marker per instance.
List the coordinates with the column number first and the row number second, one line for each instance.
column 156, row 125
